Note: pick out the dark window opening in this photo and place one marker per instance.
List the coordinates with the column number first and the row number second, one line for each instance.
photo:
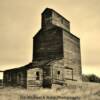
column 37, row 75
column 48, row 14
column 58, row 72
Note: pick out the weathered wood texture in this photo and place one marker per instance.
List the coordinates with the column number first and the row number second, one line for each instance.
column 51, row 18
column 59, row 72
column 72, row 54
column 15, row 77
column 48, row 44
column 34, row 77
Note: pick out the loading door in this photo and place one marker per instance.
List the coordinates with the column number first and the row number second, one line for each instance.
column 47, row 79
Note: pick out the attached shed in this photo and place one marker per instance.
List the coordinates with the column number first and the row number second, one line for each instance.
column 22, row 77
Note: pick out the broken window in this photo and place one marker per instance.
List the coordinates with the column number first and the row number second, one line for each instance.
column 37, row 75
column 58, row 74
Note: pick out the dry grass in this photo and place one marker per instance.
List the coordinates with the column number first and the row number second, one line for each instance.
column 71, row 91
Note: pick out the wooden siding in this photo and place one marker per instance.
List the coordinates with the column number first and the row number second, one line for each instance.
column 48, row 44
column 72, row 54
column 51, row 18
column 32, row 80
column 15, row 78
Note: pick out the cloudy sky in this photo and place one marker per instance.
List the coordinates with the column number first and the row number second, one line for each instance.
column 21, row 19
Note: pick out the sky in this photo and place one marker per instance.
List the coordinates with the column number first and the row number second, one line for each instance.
column 21, row 19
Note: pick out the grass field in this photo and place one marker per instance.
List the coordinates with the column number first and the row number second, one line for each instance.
column 71, row 91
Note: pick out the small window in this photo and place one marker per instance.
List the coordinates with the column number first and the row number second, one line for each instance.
column 37, row 75
column 58, row 72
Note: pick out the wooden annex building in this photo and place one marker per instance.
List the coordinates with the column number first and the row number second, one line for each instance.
column 56, row 56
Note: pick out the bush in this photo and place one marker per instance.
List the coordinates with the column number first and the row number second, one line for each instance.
column 91, row 78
